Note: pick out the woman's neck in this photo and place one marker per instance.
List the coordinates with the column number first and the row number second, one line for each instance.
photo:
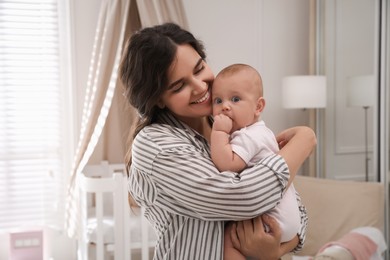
column 202, row 126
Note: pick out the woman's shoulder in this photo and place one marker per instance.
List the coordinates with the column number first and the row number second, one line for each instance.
column 147, row 144
column 161, row 133
column 160, row 137
column 156, row 139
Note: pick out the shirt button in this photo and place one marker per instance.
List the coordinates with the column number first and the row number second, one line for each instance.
column 236, row 179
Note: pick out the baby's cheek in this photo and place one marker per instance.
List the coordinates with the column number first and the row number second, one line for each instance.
column 216, row 111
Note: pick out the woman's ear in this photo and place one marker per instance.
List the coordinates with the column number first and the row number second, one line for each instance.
column 260, row 105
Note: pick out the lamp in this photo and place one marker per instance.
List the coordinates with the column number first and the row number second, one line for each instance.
column 305, row 92
column 361, row 93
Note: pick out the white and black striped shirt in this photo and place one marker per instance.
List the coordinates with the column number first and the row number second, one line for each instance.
column 187, row 200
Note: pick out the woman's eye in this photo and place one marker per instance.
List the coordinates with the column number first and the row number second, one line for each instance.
column 178, row 87
column 199, row 69
column 235, row 99
column 217, row 101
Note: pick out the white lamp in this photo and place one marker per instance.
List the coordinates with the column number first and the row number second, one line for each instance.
column 304, row 92
column 361, row 93
column 307, row 91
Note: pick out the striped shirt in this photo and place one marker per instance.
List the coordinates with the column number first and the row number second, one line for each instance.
column 187, row 200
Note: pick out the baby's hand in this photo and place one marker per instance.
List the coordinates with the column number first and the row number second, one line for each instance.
column 222, row 123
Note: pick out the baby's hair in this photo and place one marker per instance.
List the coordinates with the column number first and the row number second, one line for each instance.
column 237, row 67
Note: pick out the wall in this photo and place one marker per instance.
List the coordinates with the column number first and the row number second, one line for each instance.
column 85, row 15
column 272, row 36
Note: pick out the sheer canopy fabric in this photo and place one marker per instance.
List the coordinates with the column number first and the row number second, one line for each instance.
column 104, row 105
column 154, row 12
column 102, row 80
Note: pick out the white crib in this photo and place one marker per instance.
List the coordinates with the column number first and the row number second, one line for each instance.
column 107, row 223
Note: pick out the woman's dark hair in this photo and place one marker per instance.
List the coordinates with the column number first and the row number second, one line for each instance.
column 147, row 56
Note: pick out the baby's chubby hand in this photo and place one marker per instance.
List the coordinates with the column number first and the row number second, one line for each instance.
column 222, row 123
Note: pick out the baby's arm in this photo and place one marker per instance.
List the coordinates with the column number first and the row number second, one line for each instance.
column 221, row 151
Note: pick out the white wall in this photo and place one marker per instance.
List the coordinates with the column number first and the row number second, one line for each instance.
column 272, row 36
column 85, row 16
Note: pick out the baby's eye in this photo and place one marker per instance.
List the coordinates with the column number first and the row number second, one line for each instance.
column 235, row 99
column 217, row 101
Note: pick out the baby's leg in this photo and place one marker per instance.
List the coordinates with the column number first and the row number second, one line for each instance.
column 229, row 251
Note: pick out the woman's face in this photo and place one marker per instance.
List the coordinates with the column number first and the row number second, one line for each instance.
column 189, row 84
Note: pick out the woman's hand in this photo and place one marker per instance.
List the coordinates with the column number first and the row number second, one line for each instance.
column 250, row 238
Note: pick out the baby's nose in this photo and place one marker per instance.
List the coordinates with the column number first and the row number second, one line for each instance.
column 225, row 106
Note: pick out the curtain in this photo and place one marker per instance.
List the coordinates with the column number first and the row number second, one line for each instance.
column 104, row 101
column 154, row 12
column 102, row 81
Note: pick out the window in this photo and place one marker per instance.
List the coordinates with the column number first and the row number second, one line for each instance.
column 34, row 117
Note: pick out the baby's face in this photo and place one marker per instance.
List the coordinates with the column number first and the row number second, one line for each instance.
column 236, row 96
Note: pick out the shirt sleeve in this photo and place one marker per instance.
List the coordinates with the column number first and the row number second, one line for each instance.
column 178, row 176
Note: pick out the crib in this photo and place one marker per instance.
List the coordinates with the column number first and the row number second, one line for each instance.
column 109, row 228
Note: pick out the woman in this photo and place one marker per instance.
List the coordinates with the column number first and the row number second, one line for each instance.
column 172, row 176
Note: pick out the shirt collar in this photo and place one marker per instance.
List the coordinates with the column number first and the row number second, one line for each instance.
column 166, row 117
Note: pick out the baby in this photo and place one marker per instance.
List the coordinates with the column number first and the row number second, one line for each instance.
column 240, row 139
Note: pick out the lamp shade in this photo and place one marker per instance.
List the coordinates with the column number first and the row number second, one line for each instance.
column 361, row 91
column 304, row 91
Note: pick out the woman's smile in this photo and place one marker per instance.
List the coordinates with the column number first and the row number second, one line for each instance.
column 202, row 99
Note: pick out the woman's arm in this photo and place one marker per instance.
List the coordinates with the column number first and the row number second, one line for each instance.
column 296, row 145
